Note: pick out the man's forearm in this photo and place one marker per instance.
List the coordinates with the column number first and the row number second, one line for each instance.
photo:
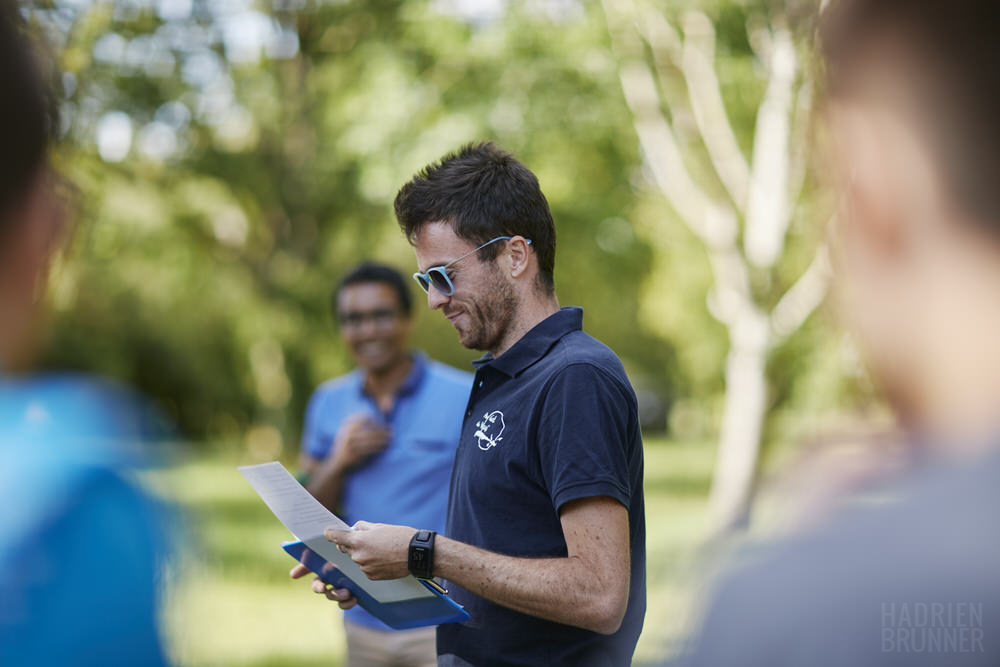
column 326, row 483
column 587, row 589
column 566, row 590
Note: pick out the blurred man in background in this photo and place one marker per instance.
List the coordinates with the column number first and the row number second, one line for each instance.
column 379, row 442
column 914, row 111
column 80, row 543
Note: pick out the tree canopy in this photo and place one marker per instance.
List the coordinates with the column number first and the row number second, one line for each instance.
column 234, row 160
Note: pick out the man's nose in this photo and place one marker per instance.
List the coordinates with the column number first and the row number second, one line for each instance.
column 435, row 299
column 368, row 327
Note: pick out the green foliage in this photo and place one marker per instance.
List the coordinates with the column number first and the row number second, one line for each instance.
column 204, row 257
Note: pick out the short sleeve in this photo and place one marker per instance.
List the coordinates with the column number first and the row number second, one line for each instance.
column 583, row 432
column 315, row 442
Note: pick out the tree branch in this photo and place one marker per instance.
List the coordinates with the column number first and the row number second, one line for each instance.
column 767, row 206
column 661, row 37
column 658, row 143
column 663, row 155
column 713, row 223
column 799, row 159
column 698, row 66
column 803, row 297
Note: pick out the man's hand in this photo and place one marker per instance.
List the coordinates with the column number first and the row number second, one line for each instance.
column 381, row 550
column 341, row 596
column 359, row 439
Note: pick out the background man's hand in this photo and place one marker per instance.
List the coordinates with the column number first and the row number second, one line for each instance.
column 379, row 549
column 341, row 596
column 359, row 439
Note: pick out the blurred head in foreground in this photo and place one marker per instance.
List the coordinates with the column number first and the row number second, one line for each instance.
column 80, row 543
column 914, row 117
column 914, row 109
column 31, row 217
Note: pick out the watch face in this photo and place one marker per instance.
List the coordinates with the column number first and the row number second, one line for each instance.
column 420, row 562
column 421, row 556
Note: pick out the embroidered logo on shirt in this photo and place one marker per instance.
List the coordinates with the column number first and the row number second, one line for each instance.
column 488, row 429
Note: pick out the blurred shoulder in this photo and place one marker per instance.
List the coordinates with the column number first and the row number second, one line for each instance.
column 819, row 597
column 338, row 385
column 445, row 375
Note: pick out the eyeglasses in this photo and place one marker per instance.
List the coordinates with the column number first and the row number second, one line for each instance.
column 438, row 275
column 381, row 318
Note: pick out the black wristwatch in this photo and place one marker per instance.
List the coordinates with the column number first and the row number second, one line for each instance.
column 421, row 559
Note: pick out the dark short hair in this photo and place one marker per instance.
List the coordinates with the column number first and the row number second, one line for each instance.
column 26, row 114
column 373, row 272
column 946, row 55
column 483, row 192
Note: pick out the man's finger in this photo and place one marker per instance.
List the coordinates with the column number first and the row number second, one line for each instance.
column 374, row 442
column 340, row 537
column 371, row 446
column 339, row 594
column 298, row 571
column 363, row 525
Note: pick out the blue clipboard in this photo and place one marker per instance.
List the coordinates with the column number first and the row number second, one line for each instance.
column 397, row 615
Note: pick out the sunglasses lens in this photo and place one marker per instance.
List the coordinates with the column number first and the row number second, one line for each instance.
column 441, row 282
column 421, row 281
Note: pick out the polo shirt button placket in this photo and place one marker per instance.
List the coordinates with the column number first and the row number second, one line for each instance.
column 477, row 385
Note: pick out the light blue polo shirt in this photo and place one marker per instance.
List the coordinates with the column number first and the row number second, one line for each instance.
column 407, row 483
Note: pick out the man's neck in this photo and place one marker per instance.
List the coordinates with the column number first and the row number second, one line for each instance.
column 382, row 386
column 954, row 395
column 531, row 312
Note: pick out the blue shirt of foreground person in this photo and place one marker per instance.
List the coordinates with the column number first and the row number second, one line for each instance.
column 379, row 442
column 545, row 539
column 81, row 544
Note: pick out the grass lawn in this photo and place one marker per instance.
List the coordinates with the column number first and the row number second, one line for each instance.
column 232, row 603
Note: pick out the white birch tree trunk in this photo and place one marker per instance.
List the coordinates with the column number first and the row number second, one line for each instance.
column 760, row 193
column 742, row 422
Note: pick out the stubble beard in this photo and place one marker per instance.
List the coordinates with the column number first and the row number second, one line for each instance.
column 491, row 317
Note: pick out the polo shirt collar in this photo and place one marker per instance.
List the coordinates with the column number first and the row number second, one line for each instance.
column 416, row 376
column 534, row 344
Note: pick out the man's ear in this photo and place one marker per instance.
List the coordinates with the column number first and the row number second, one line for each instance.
column 519, row 254
column 873, row 217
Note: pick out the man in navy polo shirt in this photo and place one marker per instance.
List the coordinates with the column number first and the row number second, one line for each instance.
column 545, row 542
column 378, row 443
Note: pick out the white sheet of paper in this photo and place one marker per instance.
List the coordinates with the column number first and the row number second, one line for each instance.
column 307, row 519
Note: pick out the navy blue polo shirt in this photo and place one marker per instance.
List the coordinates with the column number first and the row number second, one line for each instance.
column 553, row 419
